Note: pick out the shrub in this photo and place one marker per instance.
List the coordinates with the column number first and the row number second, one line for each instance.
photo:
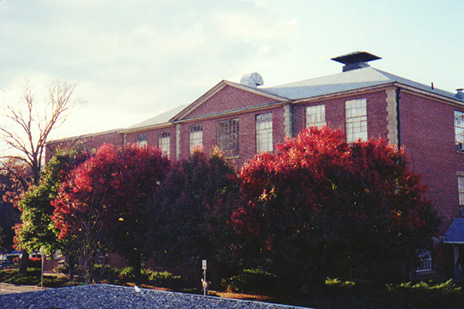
column 163, row 279
column 127, row 274
column 7, row 273
column 337, row 287
column 252, row 281
column 444, row 287
column 338, row 283
column 54, row 282
column 105, row 273
column 27, row 279
column 61, row 269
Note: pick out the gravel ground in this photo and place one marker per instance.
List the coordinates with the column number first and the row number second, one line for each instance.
column 112, row 296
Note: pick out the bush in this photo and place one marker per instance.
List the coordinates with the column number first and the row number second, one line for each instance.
column 127, row 274
column 54, row 282
column 7, row 273
column 27, row 279
column 61, row 269
column 163, row 279
column 421, row 294
column 444, row 287
column 336, row 287
column 252, row 281
column 105, row 273
column 338, row 283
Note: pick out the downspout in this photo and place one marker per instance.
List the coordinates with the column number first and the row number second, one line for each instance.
column 398, row 115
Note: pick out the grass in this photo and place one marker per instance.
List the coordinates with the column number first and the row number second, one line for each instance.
column 336, row 293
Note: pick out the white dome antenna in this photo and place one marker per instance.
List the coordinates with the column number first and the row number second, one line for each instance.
column 252, row 79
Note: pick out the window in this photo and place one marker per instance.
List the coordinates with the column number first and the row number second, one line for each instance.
column 425, row 261
column 356, row 120
column 196, row 137
column 315, row 116
column 227, row 137
column 459, row 129
column 264, row 132
column 461, row 190
column 164, row 142
column 141, row 140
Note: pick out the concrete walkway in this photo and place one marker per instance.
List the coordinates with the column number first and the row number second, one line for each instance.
column 11, row 288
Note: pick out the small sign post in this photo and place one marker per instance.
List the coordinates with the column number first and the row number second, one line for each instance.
column 204, row 283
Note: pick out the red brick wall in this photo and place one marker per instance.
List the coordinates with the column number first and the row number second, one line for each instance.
column 335, row 113
column 247, row 133
column 428, row 135
column 227, row 99
column 89, row 141
column 152, row 138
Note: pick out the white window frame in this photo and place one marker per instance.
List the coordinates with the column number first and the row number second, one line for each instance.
column 164, row 142
column 459, row 130
column 461, row 190
column 315, row 116
column 425, row 262
column 264, row 142
column 356, row 120
column 195, row 137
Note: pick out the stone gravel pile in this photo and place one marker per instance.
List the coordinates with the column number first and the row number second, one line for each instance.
column 111, row 296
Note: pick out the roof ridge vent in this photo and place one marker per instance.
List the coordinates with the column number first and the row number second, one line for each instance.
column 356, row 60
column 252, row 79
column 459, row 94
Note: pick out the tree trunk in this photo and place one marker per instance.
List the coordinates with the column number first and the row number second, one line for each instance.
column 71, row 266
column 23, row 263
column 137, row 264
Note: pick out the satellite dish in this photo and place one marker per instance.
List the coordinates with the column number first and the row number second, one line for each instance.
column 252, row 80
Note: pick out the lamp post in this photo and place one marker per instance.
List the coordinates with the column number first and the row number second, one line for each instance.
column 42, row 271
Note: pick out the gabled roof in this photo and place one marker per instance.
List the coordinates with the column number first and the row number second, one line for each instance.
column 191, row 107
column 455, row 233
column 346, row 81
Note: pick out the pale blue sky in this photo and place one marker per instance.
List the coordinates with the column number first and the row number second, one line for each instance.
column 136, row 58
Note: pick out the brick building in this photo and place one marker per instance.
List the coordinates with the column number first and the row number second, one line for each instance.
column 246, row 118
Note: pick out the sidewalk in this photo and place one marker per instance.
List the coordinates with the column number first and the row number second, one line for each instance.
column 11, row 288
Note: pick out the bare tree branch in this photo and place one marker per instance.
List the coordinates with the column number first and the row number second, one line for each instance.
column 31, row 126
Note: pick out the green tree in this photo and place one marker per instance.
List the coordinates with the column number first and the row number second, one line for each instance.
column 37, row 231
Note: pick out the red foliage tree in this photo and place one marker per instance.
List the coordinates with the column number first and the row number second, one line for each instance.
column 319, row 204
column 105, row 199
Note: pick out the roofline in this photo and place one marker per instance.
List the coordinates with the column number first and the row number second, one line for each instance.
column 83, row 136
column 144, row 128
column 236, row 111
column 415, row 90
column 222, row 84
column 461, row 242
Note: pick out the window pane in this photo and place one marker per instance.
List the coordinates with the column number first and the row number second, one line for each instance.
column 264, row 132
column 196, row 136
column 141, row 140
column 315, row 116
column 228, row 137
column 356, row 120
column 164, row 142
column 459, row 127
column 461, row 190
